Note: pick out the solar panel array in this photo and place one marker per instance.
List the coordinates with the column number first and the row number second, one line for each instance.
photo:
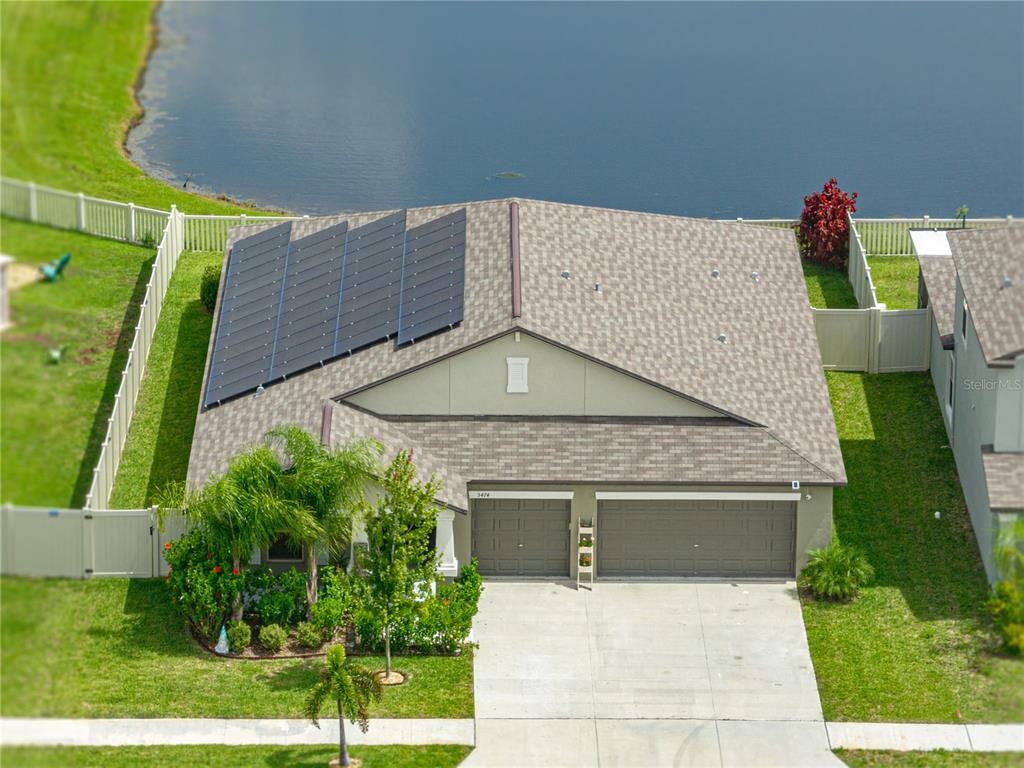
column 290, row 305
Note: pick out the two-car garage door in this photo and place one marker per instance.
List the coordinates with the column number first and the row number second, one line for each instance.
column 696, row 538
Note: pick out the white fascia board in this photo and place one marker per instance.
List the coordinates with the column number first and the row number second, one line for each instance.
column 520, row 494
column 697, row 496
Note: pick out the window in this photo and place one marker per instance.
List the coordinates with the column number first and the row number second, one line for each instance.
column 282, row 550
column 518, row 374
column 963, row 322
column 950, row 385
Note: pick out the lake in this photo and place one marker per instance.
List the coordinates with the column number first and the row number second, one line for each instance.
column 718, row 110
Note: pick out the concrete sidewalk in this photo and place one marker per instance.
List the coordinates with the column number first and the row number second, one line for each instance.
column 17, row 731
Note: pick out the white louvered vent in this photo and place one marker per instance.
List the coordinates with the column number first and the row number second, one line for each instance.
column 518, row 379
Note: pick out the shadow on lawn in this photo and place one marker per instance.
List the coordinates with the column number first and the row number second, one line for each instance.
column 181, row 400
column 123, row 342
column 897, row 482
column 150, row 623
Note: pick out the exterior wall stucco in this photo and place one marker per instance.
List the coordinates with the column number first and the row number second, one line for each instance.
column 560, row 384
column 813, row 516
column 1009, row 423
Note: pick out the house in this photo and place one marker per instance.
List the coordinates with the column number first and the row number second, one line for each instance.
column 657, row 375
column 973, row 279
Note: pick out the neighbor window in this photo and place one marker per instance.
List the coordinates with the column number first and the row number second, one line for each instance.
column 950, row 385
column 963, row 322
column 282, row 550
column 518, row 368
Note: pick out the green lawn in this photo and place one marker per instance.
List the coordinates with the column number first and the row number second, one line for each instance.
column 160, row 437
column 447, row 756
column 918, row 644
column 53, row 418
column 67, row 72
column 116, row 648
column 895, row 279
column 938, row 759
column 827, row 287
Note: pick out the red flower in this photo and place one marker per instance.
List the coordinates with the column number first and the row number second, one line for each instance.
column 209, row 555
column 446, row 602
column 235, row 571
column 216, row 569
column 167, row 545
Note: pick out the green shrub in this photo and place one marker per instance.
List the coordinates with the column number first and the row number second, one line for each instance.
column 275, row 607
column 308, row 635
column 239, row 636
column 273, row 637
column 446, row 620
column 1007, row 606
column 202, row 583
column 334, row 602
column 293, row 583
column 836, row 572
column 282, row 597
column 208, row 288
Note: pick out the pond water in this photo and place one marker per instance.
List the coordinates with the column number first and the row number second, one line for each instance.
column 717, row 110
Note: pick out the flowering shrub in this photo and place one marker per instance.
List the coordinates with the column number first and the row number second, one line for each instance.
column 202, row 584
column 824, row 232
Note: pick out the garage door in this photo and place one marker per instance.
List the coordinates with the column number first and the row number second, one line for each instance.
column 521, row 537
column 696, row 538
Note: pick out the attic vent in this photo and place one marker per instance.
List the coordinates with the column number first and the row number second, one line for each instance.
column 1007, row 282
column 566, row 274
column 723, row 337
column 598, row 288
column 716, row 273
column 755, row 277
column 518, row 374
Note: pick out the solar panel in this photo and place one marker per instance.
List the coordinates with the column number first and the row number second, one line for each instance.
column 247, row 324
column 433, row 277
column 371, row 284
column 309, row 307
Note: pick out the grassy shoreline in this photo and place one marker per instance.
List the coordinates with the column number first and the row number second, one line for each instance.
column 68, row 94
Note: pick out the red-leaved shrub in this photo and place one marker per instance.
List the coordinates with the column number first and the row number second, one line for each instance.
column 824, row 227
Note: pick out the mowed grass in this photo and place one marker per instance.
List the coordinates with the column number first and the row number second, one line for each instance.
column 895, row 279
column 828, row 287
column 53, row 417
column 435, row 756
column 66, row 77
column 160, row 437
column 117, row 648
column 937, row 759
column 918, row 645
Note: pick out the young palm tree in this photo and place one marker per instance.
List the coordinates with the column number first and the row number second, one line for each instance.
column 326, row 484
column 351, row 688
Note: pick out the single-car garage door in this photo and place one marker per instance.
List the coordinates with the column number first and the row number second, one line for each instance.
column 696, row 538
column 521, row 537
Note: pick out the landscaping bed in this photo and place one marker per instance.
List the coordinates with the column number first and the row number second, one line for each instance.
column 53, row 416
column 435, row 756
column 118, row 648
column 918, row 644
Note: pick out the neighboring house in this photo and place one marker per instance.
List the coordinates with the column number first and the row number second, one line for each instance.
column 658, row 375
column 973, row 279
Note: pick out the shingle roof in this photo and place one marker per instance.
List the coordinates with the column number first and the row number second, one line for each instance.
column 939, row 275
column 659, row 317
column 984, row 259
column 1004, row 476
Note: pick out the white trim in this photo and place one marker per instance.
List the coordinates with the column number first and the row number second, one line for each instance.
column 520, row 494
column 695, row 495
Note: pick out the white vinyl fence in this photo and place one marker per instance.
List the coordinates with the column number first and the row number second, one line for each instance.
column 891, row 237
column 874, row 339
column 78, row 544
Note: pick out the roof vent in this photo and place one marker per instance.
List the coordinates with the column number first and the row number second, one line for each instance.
column 598, row 288
column 716, row 273
column 566, row 274
column 755, row 277
column 1007, row 282
column 723, row 337
column 259, row 391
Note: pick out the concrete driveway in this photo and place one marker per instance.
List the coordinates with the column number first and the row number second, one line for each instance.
column 645, row 674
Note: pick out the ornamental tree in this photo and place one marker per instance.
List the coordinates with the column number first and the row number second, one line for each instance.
column 398, row 558
column 824, row 231
column 351, row 688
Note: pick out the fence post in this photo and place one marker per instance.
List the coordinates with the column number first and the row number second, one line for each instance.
column 874, row 337
column 33, row 203
column 926, row 218
column 131, row 223
column 81, row 212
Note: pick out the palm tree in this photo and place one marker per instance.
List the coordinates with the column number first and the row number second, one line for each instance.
column 351, row 687
column 326, row 484
column 242, row 508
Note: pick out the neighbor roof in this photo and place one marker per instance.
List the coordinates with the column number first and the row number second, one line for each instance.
column 987, row 259
column 658, row 317
column 1004, row 476
column 939, row 275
